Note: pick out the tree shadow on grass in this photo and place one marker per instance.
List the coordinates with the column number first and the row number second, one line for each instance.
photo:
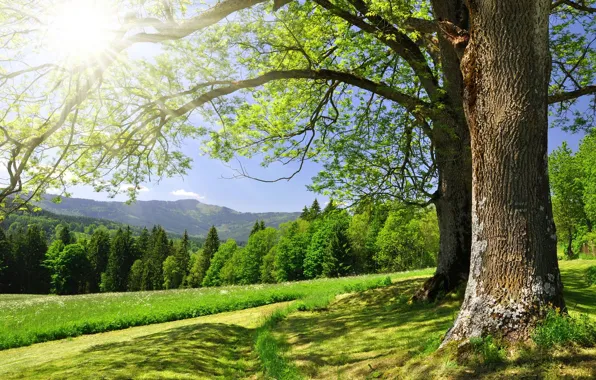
column 206, row 350
column 579, row 296
column 365, row 328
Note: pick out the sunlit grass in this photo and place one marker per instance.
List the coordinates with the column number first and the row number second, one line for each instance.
column 31, row 319
column 379, row 334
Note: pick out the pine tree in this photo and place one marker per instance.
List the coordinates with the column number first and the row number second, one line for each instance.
column 160, row 250
column 211, row 246
column 122, row 255
column 63, row 234
column 98, row 252
column 315, row 210
column 305, row 213
column 37, row 277
column 255, row 228
column 262, row 225
column 182, row 255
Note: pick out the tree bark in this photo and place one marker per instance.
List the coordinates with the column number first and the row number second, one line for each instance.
column 514, row 273
column 454, row 163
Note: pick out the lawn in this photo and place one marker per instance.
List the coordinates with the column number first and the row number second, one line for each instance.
column 27, row 319
column 374, row 333
column 378, row 334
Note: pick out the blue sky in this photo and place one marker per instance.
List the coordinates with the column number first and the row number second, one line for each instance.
column 246, row 195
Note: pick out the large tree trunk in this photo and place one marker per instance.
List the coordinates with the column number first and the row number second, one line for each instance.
column 454, row 163
column 514, row 274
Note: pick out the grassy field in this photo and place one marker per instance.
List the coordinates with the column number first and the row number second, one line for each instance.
column 377, row 334
column 31, row 319
column 369, row 334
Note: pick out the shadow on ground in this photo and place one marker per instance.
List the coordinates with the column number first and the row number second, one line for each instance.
column 378, row 334
column 206, row 350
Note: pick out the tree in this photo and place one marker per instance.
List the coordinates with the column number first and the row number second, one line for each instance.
column 255, row 228
column 182, row 255
column 220, row 258
column 290, row 252
column 98, row 252
column 406, row 241
column 123, row 253
column 305, row 213
column 587, row 158
column 36, row 276
column 70, row 270
column 153, row 261
column 329, row 252
column 315, row 210
column 135, row 277
column 567, row 186
column 258, row 245
column 204, row 260
column 63, row 234
column 514, row 274
column 172, row 273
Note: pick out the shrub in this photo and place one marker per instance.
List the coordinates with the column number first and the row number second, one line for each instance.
column 562, row 330
column 591, row 275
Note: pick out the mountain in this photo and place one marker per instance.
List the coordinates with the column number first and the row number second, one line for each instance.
column 173, row 216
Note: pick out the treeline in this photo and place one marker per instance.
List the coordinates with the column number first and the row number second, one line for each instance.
column 573, row 187
column 321, row 243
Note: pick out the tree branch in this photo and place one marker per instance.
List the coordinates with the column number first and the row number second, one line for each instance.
column 570, row 95
column 574, row 5
column 412, row 104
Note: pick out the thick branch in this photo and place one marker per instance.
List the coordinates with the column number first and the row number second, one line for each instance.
column 570, row 95
column 412, row 104
column 574, row 5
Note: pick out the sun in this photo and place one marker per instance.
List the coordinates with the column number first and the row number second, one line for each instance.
column 81, row 29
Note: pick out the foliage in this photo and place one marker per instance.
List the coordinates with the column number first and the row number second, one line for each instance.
column 258, row 245
column 559, row 329
column 409, row 239
column 290, row 252
column 203, row 261
column 70, row 270
column 591, row 275
column 329, row 253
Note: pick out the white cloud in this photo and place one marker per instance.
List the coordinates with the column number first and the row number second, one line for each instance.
column 187, row 194
column 128, row 186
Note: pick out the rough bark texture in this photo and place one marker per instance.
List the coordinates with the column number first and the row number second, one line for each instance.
column 514, row 272
column 453, row 156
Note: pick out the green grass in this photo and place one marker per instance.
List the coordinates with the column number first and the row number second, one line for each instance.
column 379, row 334
column 26, row 320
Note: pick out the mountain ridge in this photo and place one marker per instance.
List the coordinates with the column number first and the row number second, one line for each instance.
column 174, row 216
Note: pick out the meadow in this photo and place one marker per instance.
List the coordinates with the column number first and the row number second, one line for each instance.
column 372, row 333
column 28, row 319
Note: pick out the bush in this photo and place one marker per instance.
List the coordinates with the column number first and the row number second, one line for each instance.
column 562, row 330
column 591, row 275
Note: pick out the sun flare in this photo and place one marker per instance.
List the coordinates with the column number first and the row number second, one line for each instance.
column 81, row 29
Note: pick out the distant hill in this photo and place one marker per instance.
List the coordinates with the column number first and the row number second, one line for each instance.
column 173, row 216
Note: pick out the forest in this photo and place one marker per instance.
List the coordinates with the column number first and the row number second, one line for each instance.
column 325, row 242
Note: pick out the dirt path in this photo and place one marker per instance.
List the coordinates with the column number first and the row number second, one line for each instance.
column 191, row 348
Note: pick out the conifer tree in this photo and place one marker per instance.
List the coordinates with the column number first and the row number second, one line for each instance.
column 211, row 246
column 262, row 225
column 255, row 228
column 98, row 252
column 122, row 256
column 63, row 233
column 315, row 210
column 305, row 213
column 37, row 277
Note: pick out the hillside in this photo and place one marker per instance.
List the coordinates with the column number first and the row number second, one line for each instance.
column 174, row 216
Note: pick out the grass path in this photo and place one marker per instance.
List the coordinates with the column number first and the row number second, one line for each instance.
column 205, row 347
